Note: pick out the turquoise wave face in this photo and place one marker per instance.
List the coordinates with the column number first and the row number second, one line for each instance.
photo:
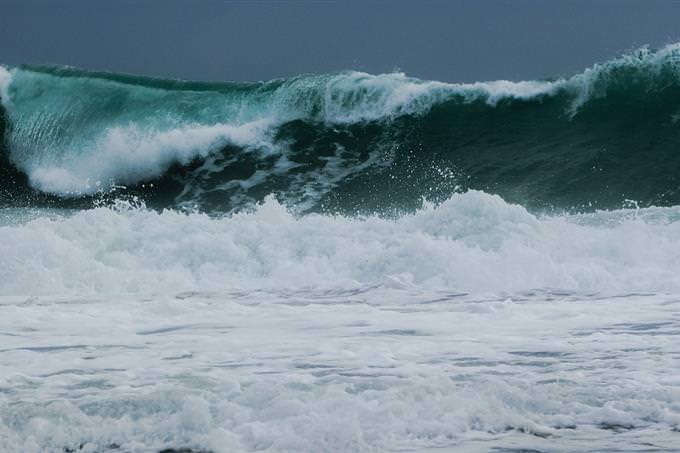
column 346, row 142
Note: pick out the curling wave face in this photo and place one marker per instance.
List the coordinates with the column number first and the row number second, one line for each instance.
column 346, row 142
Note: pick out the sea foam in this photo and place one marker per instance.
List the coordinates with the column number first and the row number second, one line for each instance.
column 472, row 242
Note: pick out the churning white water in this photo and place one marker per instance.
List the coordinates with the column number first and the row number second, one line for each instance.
column 470, row 326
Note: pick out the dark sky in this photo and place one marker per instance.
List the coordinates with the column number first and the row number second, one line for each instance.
column 253, row 40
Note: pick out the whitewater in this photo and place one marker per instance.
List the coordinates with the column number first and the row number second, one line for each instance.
column 341, row 262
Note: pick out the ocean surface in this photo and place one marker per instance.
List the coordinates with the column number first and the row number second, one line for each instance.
column 341, row 262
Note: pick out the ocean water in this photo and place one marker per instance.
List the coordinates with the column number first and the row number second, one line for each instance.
column 341, row 262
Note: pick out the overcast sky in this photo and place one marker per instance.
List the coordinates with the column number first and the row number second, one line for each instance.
column 254, row 40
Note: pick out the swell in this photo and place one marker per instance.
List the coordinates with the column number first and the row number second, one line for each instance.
column 345, row 142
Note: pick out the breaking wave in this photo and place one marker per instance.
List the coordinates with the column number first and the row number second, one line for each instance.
column 346, row 142
column 473, row 242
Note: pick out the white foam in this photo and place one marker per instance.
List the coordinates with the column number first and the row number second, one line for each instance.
column 131, row 154
column 5, row 80
column 265, row 331
column 473, row 242
column 356, row 369
column 503, row 89
column 352, row 97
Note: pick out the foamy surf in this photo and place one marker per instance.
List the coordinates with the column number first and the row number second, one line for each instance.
column 473, row 242
column 360, row 369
